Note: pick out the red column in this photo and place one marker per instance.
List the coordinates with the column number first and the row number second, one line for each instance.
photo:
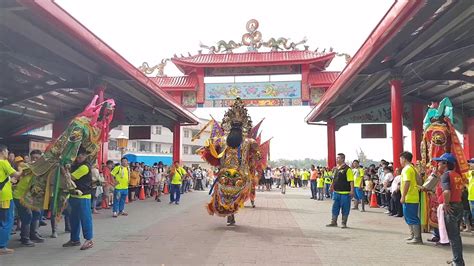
column 397, row 120
column 331, row 127
column 177, row 142
column 304, row 83
column 200, row 89
column 468, row 137
column 417, row 130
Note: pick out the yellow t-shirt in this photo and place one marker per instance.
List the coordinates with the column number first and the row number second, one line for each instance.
column 327, row 180
column 409, row 174
column 305, row 175
column 78, row 174
column 177, row 177
column 358, row 175
column 121, row 176
column 6, row 194
column 470, row 187
column 320, row 182
column 22, row 186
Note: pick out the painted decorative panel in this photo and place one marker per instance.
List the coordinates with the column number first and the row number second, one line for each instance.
column 316, row 94
column 189, row 99
column 254, row 90
column 259, row 70
column 255, row 103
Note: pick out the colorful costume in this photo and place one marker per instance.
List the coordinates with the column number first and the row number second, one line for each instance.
column 439, row 137
column 51, row 182
column 237, row 161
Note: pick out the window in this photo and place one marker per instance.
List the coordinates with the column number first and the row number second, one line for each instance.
column 185, row 150
column 158, row 130
column 158, row 148
column 186, row 133
column 134, row 144
column 145, row 147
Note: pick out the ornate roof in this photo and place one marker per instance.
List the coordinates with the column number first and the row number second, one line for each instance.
column 325, row 78
column 315, row 59
column 176, row 83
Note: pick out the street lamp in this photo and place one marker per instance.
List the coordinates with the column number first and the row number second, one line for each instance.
column 122, row 143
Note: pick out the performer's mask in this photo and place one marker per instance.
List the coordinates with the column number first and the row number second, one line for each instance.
column 231, row 182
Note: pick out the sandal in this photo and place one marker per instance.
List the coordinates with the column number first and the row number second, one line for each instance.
column 123, row 213
column 87, row 245
column 6, row 251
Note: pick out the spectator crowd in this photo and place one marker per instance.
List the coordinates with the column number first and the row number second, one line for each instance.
column 350, row 187
column 109, row 186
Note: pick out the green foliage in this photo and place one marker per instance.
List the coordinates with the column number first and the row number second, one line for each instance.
column 306, row 163
column 300, row 164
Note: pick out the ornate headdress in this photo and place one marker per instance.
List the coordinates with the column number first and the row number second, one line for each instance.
column 237, row 114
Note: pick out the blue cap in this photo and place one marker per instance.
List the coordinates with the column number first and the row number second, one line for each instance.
column 447, row 157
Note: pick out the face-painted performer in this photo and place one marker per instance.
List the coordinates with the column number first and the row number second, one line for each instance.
column 439, row 137
column 50, row 175
column 236, row 156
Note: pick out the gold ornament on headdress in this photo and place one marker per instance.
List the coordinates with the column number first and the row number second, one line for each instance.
column 237, row 114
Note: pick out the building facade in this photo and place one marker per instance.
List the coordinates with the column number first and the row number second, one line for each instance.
column 160, row 143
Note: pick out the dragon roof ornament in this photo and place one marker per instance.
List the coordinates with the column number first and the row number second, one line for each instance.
column 147, row 70
column 253, row 40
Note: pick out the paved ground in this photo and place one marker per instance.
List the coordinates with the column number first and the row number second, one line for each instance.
column 283, row 230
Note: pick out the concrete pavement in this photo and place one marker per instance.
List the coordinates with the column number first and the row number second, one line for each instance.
column 283, row 230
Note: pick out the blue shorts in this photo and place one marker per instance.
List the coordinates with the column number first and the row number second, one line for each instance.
column 410, row 212
column 359, row 193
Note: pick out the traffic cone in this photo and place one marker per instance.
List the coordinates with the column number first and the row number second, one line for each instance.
column 165, row 190
column 104, row 204
column 141, row 195
column 373, row 201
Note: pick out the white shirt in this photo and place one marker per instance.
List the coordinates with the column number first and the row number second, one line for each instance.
column 268, row 174
column 395, row 183
column 381, row 174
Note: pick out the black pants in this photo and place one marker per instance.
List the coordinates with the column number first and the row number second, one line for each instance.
column 298, row 182
column 395, row 205
column 452, row 227
column 199, row 184
column 388, row 198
